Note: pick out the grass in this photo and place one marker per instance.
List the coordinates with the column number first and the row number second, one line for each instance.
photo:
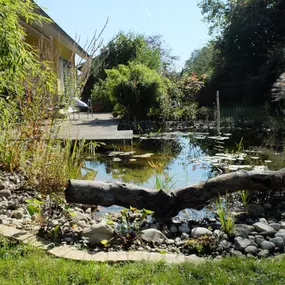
column 20, row 264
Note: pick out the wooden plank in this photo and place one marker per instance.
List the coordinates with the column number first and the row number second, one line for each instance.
column 92, row 127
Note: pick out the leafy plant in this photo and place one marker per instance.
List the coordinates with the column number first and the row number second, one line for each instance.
column 34, row 207
column 131, row 222
column 225, row 216
column 201, row 245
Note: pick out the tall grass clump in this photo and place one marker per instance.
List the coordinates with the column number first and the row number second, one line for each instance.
column 49, row 164
column 225, row 216
column 162, row 178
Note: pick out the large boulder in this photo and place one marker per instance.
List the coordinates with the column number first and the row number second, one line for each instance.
column 153, row 235
column 97, row 233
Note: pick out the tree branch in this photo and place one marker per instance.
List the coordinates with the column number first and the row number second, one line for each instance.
column 169, row 204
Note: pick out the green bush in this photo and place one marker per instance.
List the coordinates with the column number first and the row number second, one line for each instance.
column 133, row 90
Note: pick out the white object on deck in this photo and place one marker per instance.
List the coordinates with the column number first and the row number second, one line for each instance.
column 80, row 103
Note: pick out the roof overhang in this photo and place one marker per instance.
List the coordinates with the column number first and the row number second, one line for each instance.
column 53, row 30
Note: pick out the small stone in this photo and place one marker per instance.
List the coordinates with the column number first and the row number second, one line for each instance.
column 5, row 193
column 177, row 220
column 178, row 239
column 263, row 253
column 180, row 243
column 261, row 227
column 241, row 230
column 267, row 245
column 282, row 235
column 259, row 240
column 249, row 255
column 251, row 238
column 255, row 210
column 82, row 224
column 169, row 241
column 97, row 233
column 184, row 236
column 80, row 217
column 88, row 211
column 2, row 185
column 153, row 235
column 282, row 225
column 267, row 206
column 184, row 229
column 173, row 229
column 262, row 220
column 236, row 253
column 17, row 214
column 50, row 246
column 268, row 233
column 275, row 226
column 199, row 231
column 278, row 241
column 240, row 243
column 251, row 250
column 225, row 244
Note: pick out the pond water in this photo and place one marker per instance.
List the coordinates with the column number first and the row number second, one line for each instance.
column 183, row 158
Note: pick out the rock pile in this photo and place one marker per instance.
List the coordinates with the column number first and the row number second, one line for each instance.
column 259, row 232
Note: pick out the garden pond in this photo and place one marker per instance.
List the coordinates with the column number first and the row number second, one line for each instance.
column 176, row 159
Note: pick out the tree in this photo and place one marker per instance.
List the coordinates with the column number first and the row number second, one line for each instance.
column 130, row 47
column 247, row 31
column 200, row 62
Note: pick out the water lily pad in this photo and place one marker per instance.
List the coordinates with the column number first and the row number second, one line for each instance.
column 146, row 155
column 116, row 159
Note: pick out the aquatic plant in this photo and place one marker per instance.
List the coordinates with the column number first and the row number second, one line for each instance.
column 162, row 178
column 225, row 216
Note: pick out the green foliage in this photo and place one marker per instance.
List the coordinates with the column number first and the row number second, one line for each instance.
column 245, row 196
column 34, row 207
column 162, row 179
column 225, row 216
column 21, row 264
column 248, row 48
column 54, row 160
column 17, row 59
column 202, row 245
column 131, row 221
column 200, row 62
column 133, row 90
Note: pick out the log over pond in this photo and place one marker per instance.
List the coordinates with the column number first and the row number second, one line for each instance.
column 168, row 204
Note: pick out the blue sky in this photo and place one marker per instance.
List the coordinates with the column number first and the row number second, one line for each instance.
column 179, row 22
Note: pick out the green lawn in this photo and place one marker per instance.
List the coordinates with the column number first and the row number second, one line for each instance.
column 20, row 264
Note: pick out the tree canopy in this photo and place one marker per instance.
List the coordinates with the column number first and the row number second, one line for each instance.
column 248, row 48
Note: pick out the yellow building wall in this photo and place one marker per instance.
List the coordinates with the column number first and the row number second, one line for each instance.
column 53, row 49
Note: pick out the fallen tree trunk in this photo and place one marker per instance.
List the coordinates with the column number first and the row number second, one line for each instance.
column 169, row 204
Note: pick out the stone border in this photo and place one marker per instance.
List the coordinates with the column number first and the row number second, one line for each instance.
column 69, row 252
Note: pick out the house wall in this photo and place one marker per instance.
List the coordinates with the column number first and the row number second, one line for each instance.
column 51, row 49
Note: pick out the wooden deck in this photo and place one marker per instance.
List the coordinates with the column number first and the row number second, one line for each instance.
column 100, row 126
